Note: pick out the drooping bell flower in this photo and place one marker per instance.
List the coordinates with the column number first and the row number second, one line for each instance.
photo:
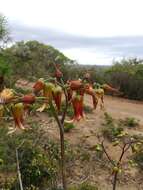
column 75, row 84
column 109, row 88
column 39, row 85
column 57, row 96
column 90, row 91
column 47, row 90
column 47, row 93
column 77, row 102
column 18, row 113
column 28, row 99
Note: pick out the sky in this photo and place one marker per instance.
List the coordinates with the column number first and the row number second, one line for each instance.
column 89, row 31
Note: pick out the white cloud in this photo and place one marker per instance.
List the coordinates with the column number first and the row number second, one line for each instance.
column 84, row 17
column 83, row 56
column 81, row 17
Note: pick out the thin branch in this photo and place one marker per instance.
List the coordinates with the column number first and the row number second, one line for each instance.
column 18, row 167
column 67, row 103
column 122, row 153
column 19, row 100
column 107, row 153
column 18, row 170
column 55, row 115
column 129, row 145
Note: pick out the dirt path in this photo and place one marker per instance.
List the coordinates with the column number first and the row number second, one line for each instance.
column 91, row 125
column 124, row 108
column 120, row 107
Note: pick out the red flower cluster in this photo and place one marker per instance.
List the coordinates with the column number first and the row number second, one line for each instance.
column 39, row 85
column 57, row 96
column 28, row 99
column 77, row 103
column 18, row 114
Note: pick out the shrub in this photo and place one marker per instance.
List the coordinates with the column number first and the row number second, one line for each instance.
column 84, row 186
column 37, row 168
column 112, row 133
column 38, row 157
column 111, row 130
column 138, row 158
column 68, row 127
column 128, row 76
column 130, row 122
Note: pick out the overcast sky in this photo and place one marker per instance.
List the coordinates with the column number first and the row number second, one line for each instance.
column 90, row 31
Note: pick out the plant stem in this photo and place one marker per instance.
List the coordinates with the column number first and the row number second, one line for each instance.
column 63, row 159
column 115, row 180
column 62, row 145
column 18, row 170
column 124, row 149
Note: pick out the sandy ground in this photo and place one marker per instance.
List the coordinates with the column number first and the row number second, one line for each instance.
column 116, row 107
column 84, row 135
column 119, row 107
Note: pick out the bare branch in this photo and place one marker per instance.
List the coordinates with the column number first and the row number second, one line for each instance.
column 107, row 155
column 18, row 169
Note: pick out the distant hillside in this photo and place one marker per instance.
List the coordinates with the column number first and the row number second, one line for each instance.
column 32, row 59
column 94, row 66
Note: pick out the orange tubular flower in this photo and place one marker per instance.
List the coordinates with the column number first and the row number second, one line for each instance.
column 109, row 88
column 90, row 91
column 38, row 85
column 47, row 90
column 18, row 113
column 75, row 84
column 57, row 96
column 47, row 93
column 77, row 103
column 28, row 99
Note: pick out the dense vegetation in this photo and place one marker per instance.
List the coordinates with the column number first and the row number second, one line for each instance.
column 33, row 60
column 128, row 76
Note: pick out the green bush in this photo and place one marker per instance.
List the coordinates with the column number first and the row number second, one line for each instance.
column 130, row 122
column 112, row 133
column 128, row 76
column 84, row 186
column 137, row 150
column 38, row 157
column 37, row 168
column 111, row 129
column 68, row 127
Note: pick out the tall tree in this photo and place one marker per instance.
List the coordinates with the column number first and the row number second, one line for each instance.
column 4, row 38
column 4, row 31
